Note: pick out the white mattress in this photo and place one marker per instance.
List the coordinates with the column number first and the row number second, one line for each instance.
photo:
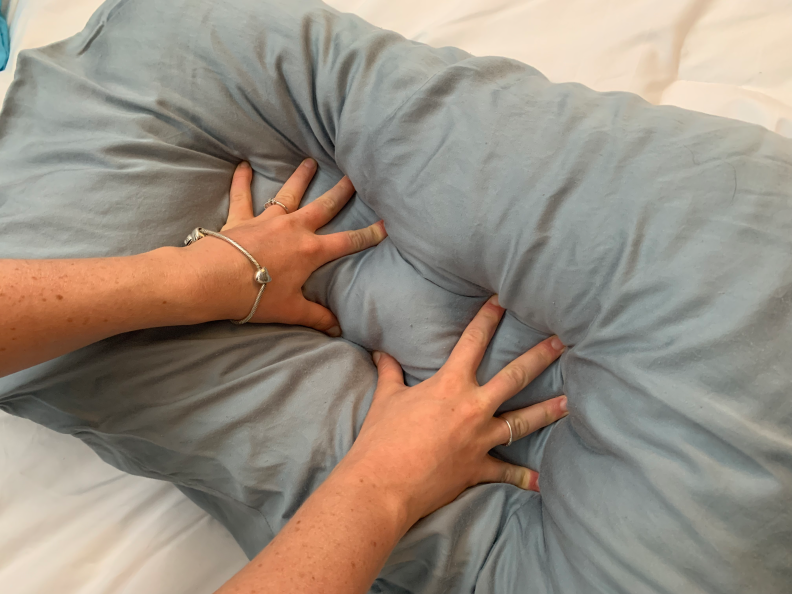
column 69, row 523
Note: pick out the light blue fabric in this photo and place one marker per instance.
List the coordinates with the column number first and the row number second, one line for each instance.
column 655, row 241
column 5, row 43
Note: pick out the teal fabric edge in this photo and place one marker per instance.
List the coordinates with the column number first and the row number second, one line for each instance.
column 5, row 46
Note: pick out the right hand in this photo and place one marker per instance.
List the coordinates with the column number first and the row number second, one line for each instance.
column 427, row 444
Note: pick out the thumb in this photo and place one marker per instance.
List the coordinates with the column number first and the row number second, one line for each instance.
column 320, row 318
column 389, row 370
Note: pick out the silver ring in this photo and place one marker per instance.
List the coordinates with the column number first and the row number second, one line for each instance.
column 273, row 202
column 511, row 432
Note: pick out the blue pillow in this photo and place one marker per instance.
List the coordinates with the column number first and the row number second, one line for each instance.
column 4, row 43
column 654, row 241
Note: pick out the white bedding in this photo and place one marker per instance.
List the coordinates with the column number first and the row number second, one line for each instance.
column 69, row 523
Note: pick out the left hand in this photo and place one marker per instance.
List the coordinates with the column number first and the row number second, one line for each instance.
column 286, row 244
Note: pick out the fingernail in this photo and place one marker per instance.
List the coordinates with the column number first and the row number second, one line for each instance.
column 335, row 331
column 376, row 357
column 309, row 164
column 244, row 165
column 563, row 404
column 556, row 343
column 494, row 301
column 383, row 233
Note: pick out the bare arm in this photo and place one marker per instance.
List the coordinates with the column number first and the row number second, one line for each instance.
column 418, row 449
column 51, row 307
column 336, row 543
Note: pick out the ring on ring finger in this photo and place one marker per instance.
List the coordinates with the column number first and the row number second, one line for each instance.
column 511, row 431
column 273, row 202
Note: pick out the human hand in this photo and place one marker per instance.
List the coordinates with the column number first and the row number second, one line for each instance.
column 426, row 444
column 286, row 244
column 418, row 449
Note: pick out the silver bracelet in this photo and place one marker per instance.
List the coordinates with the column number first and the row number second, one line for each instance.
column 262, row 275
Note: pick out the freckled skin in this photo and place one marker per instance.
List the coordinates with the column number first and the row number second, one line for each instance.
column 338, row 541
column 67, row 304
column 340, row 538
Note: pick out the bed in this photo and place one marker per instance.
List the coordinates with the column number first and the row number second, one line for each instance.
column 131, row 534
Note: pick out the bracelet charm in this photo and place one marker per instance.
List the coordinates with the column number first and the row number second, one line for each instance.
column 262, row 275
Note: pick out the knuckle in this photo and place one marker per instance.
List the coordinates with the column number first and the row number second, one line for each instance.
column 324, row 320
column 549, row 415
column 470, row 410
column 312, row 246
column 522, row 426
column 357, row 240
column 516, row 374
column 287, row 197
column 370, row 236
column 328, row 204
column 475, row 336
column 281, row 226
column 450, row 383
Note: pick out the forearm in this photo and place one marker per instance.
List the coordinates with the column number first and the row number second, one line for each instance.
column 336, row 543
column 51, row 307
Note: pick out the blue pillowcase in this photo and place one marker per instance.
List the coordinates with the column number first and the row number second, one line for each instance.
column 4, row 43
column 654, row 241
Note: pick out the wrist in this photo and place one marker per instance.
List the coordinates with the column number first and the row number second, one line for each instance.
column 360, row 479
column 215, row 278
column 188, row 282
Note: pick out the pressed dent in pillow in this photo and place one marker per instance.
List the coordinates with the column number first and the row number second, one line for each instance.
column 653, row 241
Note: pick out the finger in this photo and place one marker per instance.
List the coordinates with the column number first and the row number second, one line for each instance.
column 322, row 210
column 527, row 420
column 293, row 190
column 318, row 317
column 496, row 471
column 240, row 207
column 389, row 370
column 470, row 348
column 523, row 370
column 342, row 244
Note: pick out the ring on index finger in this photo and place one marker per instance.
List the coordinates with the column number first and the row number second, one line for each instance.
column 511, row 431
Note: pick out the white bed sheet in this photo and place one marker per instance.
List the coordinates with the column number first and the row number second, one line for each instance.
column 71, row 524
